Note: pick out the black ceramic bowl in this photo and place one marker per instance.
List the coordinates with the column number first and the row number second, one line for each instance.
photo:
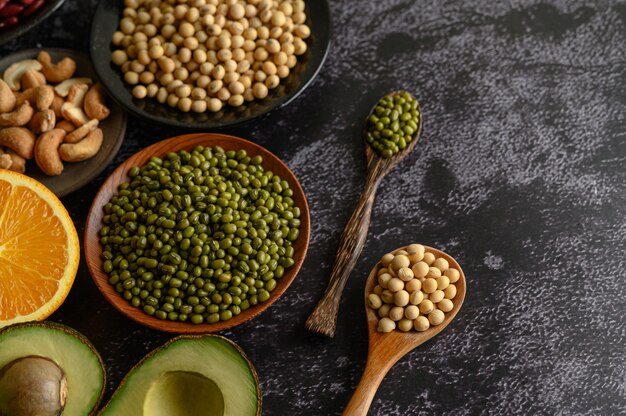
column 105, row 23
column 30, row 22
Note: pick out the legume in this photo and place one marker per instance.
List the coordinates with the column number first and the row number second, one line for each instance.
column 190, row 237
column 393, row 123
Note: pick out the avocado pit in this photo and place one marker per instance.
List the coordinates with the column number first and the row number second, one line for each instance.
column 32, row 385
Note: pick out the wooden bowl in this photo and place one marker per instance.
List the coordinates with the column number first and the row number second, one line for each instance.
column 93, row 248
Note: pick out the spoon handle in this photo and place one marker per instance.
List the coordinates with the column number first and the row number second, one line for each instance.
column 323, row 319
column 375, row 371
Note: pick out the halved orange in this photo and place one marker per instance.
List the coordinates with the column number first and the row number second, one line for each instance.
column 39, row 250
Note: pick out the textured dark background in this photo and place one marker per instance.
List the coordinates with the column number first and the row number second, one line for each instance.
column 520, row 175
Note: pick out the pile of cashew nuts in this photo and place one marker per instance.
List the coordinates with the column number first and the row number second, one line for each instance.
column 47, row 115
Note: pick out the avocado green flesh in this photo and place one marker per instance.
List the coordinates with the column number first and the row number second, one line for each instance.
column 191, row 376
column 80, row 364
column 176, row 393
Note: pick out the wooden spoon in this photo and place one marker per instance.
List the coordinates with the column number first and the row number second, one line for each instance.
column 384, row 350
column 323, row 319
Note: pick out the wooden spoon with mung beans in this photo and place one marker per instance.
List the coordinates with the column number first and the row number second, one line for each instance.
column 323, row 319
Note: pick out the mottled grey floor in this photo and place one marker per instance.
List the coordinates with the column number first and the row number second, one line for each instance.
column 520, row 175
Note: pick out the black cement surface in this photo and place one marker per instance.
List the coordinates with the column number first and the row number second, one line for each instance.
column 519, row 175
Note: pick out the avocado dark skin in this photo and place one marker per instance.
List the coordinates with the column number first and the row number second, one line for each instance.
column 32, row 386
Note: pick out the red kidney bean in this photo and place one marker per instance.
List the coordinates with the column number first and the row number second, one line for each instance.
column 36, row 5
column 8, row 21
column 12, row 9
column 27, row 2
column 3, row 3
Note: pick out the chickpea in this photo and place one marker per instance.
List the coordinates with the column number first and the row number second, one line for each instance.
column 396, row 313
column 162, row 95
column 383, row 311
column 272, row 81
column 199, row 106
column 172, row 100
column 421, row 323
column 260, row 91
column 450, row 292
column 282, row 71
column 429, row 285
column 118, row 57
column 413, row 285
column 302, row 31
column 429, row 258
column 236, row 100
column 246, row 80
column 395, row 285
column 433, row 273
column 214, row 105
column 223, row 94
column 386, row 325
column 416, row 297
column 378, row 290
column 401, row 298
column 269, row 68
column 374, row 301
column 436, row 297
column 146, row 77
column 436, row 317
column 248, row 95
column 445, row 305
column 452, row 274
column 131, row 77
column 140, row 91
column 426, row 307
column 411, row 312
column 152, row 90
column 231, row 77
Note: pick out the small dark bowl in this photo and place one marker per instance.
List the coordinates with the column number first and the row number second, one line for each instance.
column 93, row 248
column 105, row 23
column 78, row 174
column 30, row 22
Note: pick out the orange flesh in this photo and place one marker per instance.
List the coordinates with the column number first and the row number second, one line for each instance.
column 33, row 251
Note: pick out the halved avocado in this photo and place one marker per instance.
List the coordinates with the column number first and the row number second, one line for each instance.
column 203, row 375
column 48, row 369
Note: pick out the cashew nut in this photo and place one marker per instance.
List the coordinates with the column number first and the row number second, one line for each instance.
column 19, row 139
column 65, row 125
column 59, row 72
column 7, row 98
column 82, row 131
column 47, row 152
column 94, row 103
column 63, row 89
column 72, row 109
column 57, row 102
column 19, row 163
column 19, row 117
column 14, row 73
column 85, row 149
column 5, row 160
column 42, row 121
column 41, row 97
column 32, row 79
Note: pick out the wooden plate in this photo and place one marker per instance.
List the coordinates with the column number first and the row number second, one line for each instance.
column 93, row 248
column 76, row 175
column 105, row 23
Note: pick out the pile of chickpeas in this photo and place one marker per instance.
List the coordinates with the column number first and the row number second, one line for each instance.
column 199, row 55
column 415, row 290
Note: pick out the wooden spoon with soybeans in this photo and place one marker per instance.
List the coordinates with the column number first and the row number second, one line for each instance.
column 385, row 349
column 323, row 319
